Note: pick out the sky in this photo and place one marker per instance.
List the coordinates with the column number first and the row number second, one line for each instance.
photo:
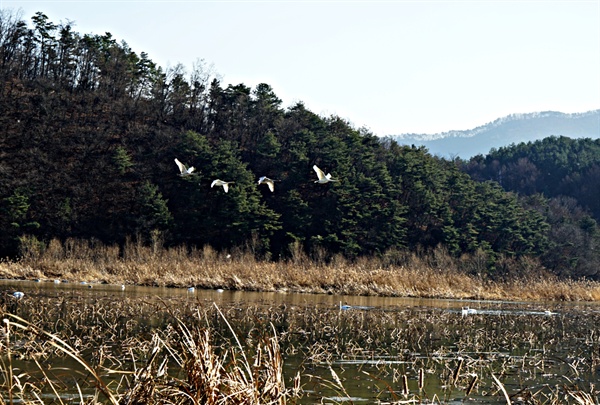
column 392, row 67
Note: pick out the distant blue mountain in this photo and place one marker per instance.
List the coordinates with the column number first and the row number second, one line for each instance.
column 512, row 129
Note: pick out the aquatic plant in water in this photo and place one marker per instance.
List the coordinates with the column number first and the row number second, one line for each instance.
column 144, row 350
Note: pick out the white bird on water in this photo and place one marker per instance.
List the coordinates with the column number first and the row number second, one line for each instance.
column 184, row 171
column 224, row 184
column 18, row 294
column 468, row 311
column 269, row 182
column 323, row 178
column 344, row 307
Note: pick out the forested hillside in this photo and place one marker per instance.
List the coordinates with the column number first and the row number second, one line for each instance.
column 89, row 131
column 554, row 166
column 560, row 177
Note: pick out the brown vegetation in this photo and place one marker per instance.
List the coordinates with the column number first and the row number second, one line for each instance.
column 432, row 275
column 144, row 351
column 212, row 374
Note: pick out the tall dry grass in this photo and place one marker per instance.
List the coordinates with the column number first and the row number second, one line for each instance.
column 411, row 274
column 195, row 352
column 203, row 373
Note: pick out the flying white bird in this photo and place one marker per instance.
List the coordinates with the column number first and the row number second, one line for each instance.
column 184, row 171
column 224, row 184
column 323, row 178
column 269, row 182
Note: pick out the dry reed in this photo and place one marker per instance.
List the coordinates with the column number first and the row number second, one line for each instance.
column 404, row 274
column 208, row 373
column 199, row 353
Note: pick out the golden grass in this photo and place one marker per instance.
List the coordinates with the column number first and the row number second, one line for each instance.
column 434, row 276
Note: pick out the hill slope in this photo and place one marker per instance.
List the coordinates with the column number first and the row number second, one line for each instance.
column 504, row 131
column 88, row 149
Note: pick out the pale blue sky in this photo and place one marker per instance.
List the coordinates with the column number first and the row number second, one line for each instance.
column 390, row 66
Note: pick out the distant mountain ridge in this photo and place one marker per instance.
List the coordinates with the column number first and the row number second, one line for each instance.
column 514, row 128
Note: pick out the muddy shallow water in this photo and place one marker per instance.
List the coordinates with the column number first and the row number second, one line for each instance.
column 348, row 349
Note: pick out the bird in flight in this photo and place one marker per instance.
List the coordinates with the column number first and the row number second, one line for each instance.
column 323, row 178
column 224, row 184
column 269, row 182
column 184, row 171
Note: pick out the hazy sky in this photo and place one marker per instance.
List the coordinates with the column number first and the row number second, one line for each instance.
column 390, row 66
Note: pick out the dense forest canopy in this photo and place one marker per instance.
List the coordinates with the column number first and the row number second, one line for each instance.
column 89, row 131
column 554, row 166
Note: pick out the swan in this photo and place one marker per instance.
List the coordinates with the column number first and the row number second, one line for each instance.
column 191, row 289
column 184, row 171
column 323, row 178
column 468, row 311
column 224, row 184
column 18, row 294
column 269, row 182
column 344, row 307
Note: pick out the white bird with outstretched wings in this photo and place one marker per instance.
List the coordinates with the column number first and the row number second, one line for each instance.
column 269, row 182
column 323, row 178
column 221, row 183
column 183, row 170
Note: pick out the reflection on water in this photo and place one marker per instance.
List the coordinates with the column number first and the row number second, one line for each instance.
column 47, row 288
column 380, row 348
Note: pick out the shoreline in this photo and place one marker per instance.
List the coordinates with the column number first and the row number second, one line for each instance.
column 337, row 279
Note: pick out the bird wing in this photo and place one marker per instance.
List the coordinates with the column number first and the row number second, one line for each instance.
column 213, row 183
column 181, row 166
column 269, row 182
column 226, row 187
column 319, row 172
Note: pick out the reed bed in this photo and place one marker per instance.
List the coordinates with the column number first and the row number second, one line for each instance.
column 435, row 275
column 144, row 351
column 177, row 365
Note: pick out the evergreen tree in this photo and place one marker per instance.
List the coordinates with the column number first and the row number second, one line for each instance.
column 90, row 130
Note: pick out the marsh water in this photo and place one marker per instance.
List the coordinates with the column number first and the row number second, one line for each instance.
column 347, row 349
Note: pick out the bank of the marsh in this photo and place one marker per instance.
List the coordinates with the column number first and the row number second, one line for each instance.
column 154, row 345
column 436, row 275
